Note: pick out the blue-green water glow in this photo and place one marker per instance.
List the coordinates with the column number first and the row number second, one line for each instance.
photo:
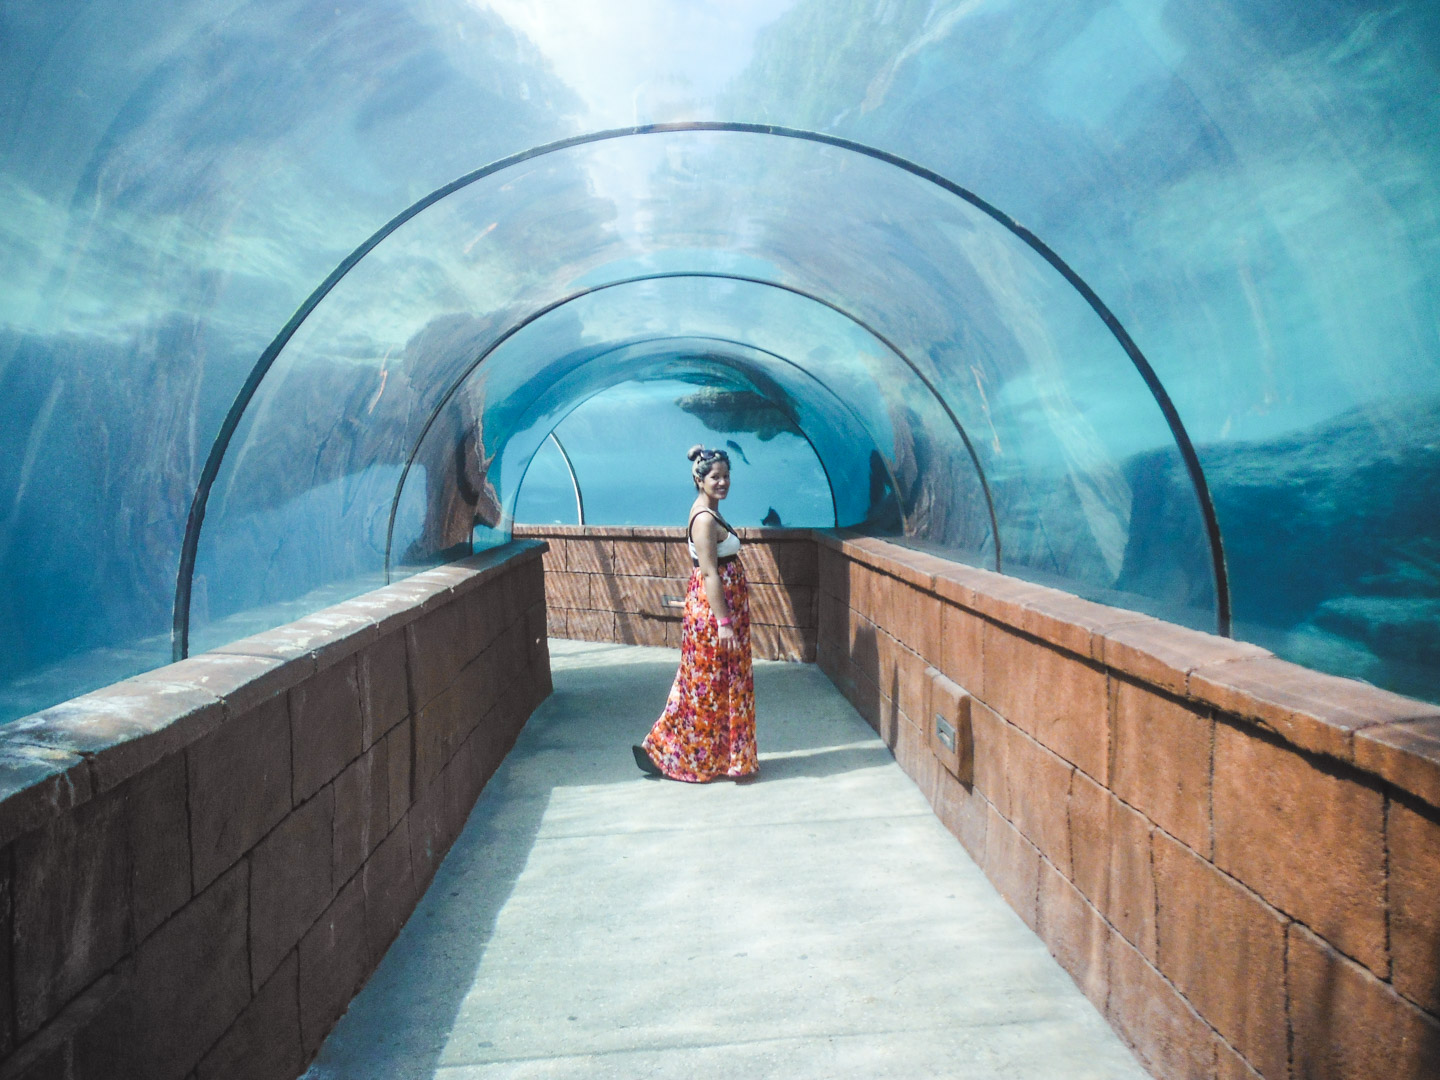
column 1251, row 186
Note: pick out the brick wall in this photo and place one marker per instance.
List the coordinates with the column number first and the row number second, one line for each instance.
column 199, row 867
column 609, row 584
column 1237, row 859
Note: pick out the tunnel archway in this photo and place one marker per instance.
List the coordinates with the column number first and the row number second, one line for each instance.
column 1085, row 471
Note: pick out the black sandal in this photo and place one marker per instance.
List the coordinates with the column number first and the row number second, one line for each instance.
column 646, row 762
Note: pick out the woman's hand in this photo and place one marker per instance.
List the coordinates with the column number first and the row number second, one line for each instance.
column 727, row 637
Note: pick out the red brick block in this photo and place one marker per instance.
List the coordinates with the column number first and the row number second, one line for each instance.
column 590, row 556
column 290, row 882
column 483, row 618
column 437, row 731
column 1348, row 1025
column 362, row 810
column 482, row 681
column 398, row 752
column 1168, row 1036
column 463, row 779
column 1110, row 845
column 782, row 605
column 555, row 623
column 963, row 811
column 833, row 574
column 591, row 625
column 390, row 890
column 554, row 558
column 639, row 629
column 1060, row 699
column 438, row 650
column 962, row 648
column 1163, row 654
column 780, row 643
column 1311, row 843
column 647, row 558
column 565, row 590
column 1131, row 902
column 1229, row 1065
column 1012, row 864
column 1090, row 839
column 1407, row 755
column 239, row 784
column 907, row 742
column 384, row 687
column 514, row 597
column 1039, row 798
column 833, row 617
column 1162, row 761
column 158, row 827
column 909, row 686
column 88, row 1040
column 7, row 969
column 1072, row 623
column 1316, row 712
column 325, row 728
column 72, row 917
column 122, row 729
column 1075, row 933
column 992, row 735
column 37, row 782
column 264, row 1043
column 191, row 981
column 334, row 960
column 996, row 596
column 919, row 625
column 860, row 588
column 1224, row 949
column 427, row 845
column 782, row 562
column 243, row 682
column 1414, row 846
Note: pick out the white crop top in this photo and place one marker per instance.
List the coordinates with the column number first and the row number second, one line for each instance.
column 727, row 547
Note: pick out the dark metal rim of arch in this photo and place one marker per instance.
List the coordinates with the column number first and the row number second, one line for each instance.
column 574, row 480
column 684, row 339
column 196, row 517
column 705, row 275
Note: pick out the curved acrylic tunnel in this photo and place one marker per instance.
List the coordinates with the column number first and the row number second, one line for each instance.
column 957, row 325
column 1249, row 186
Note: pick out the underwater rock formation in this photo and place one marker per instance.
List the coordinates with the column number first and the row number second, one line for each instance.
column 1329, row 539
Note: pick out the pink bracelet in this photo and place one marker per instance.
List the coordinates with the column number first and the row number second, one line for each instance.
column 723, row 622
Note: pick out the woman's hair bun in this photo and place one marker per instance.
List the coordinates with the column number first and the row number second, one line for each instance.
column 695, row 451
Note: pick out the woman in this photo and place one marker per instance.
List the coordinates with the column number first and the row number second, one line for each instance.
column 708, row 727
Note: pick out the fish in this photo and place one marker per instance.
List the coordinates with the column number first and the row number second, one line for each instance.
column 735, row 448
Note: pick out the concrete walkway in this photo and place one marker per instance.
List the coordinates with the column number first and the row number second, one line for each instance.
column 816, row 922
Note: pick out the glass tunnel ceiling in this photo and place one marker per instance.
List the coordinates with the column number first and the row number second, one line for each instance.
column 1250, row 187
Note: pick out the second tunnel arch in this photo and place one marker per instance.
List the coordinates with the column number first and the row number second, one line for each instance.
column 511, row 331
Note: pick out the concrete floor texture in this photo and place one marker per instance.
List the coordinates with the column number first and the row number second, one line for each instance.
column 818, row 921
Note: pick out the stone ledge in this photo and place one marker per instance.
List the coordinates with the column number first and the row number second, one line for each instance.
column 649, row 532
column 61, row 757
column 1393, row 738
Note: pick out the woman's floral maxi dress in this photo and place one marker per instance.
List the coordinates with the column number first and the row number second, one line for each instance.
column 708, row 726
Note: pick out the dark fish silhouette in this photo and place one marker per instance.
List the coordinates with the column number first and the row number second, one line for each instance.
column 735, row 448
column 771, row 520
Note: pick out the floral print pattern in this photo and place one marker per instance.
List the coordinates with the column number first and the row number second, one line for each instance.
column 708, row 727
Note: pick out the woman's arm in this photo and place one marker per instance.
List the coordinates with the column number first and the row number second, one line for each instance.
column 706, row 538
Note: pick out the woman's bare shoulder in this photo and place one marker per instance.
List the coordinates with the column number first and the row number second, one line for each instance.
column 703, row 520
